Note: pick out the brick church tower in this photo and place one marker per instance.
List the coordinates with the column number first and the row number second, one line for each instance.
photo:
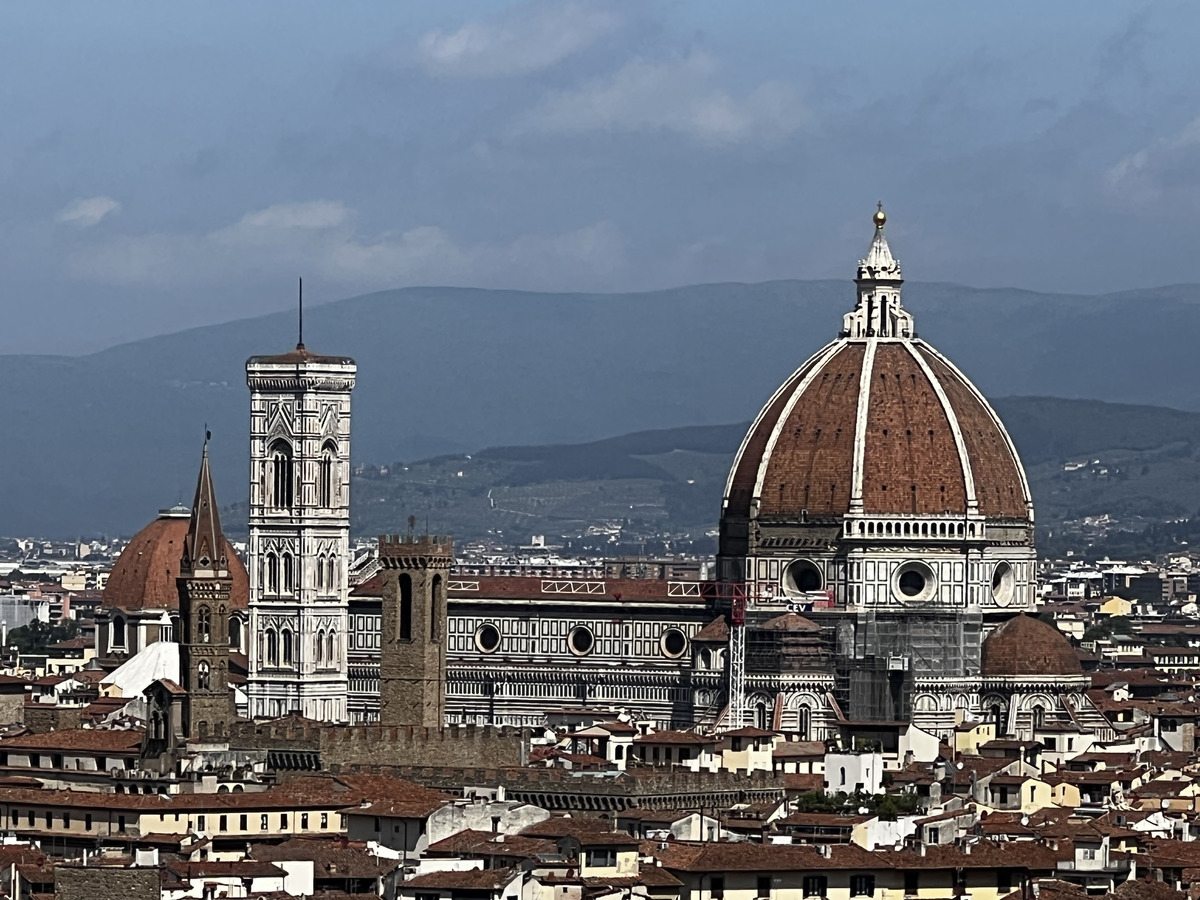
column 205, row 586
column 412, row 664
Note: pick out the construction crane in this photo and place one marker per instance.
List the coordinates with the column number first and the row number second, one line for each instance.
column 737, row 659
column 741, row 597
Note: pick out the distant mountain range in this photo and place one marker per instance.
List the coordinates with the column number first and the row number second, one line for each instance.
column 1084, row 458
column 96, row 444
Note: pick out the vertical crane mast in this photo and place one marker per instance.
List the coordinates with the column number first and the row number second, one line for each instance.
column 737, row 660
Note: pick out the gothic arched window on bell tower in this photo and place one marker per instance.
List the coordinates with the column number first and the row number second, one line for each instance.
column 406, row 607
column 326, row 483
column 285, row 641
column 286, row 564
column 203, row 677
column 436, row 610
column 272, row 647
column 272, row 573
column 282, row 475
column 203, row 625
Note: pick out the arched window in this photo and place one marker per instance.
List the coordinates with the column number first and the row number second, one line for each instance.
column 331, row 648
column 437, row 609
column 1039, row 717
column 406, row 606
column 281, row 475
column 285, row 640
column 804, row 722
column 235, row 633
column 203, row 677
column 288, row 575
column 272, row 574
column 320, row 648
column 760, row 715
column 272, row 647
column 116, row 636
column 326, row 485
column 320, row 574
column 331, row 574
column 203, row 625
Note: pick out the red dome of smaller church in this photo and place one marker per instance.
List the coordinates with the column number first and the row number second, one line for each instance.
column 145, row 572
column 1025, row 645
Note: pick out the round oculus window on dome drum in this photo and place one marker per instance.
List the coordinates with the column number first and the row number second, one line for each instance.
column 674, row 643
column 581, row 641
column 914, row 582
column 802, row 576
column 1004, row 583
column 487, row 638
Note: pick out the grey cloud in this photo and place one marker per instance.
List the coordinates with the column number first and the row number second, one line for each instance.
column 319, row 237
column 525, row 39
column 679, row 95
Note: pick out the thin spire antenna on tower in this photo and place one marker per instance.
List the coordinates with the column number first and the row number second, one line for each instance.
column 300, row 341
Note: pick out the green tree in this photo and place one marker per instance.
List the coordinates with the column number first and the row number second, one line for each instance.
column 37, row 635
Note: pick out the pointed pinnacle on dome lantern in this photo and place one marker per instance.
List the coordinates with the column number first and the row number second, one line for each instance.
column 878, row 312
column 879, row 264
column 204, row 546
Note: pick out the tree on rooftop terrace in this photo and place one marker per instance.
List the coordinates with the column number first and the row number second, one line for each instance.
column 1108, row 627
column 37, row 635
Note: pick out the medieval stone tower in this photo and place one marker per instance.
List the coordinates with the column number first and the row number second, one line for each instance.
column 299, row 533
column 205, row 586
column 412, row 664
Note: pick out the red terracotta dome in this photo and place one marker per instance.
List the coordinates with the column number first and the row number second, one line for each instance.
column 1025, row 645
column 877, row 423
column 145, row 572
column 930, row 443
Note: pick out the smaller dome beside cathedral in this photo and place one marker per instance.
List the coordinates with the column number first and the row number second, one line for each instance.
column 144, row 576
column 1027, row 646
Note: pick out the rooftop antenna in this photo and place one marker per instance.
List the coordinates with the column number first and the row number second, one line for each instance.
column 300, row 341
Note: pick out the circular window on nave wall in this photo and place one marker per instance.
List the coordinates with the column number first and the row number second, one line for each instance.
column 674, row 643
column 581, row 640
column 914, row 582
column 802, row 576
column 487, row 637
column 1004, row 584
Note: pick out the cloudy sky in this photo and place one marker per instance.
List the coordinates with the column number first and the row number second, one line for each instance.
column 168, row 165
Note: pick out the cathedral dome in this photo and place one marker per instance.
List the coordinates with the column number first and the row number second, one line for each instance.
column 1025, row 645
column 145, row 572
column 877, row 423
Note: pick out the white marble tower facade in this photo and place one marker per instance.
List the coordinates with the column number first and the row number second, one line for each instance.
column 299, row 533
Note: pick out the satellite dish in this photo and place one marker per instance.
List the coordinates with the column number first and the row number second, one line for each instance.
column 958, row 766
column 1165, row 804
column 1024, row 820
column 862, row 810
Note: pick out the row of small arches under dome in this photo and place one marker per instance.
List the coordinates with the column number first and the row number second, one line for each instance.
column 278, row 575
column 913, row 529
column 280, row 488
column 278, row 647
column 581, row 640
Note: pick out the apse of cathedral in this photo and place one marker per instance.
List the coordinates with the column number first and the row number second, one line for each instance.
column 876, row 563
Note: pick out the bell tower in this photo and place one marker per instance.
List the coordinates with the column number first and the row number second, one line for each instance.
column 299, row 533
column 205, row 587
column 412, row 663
